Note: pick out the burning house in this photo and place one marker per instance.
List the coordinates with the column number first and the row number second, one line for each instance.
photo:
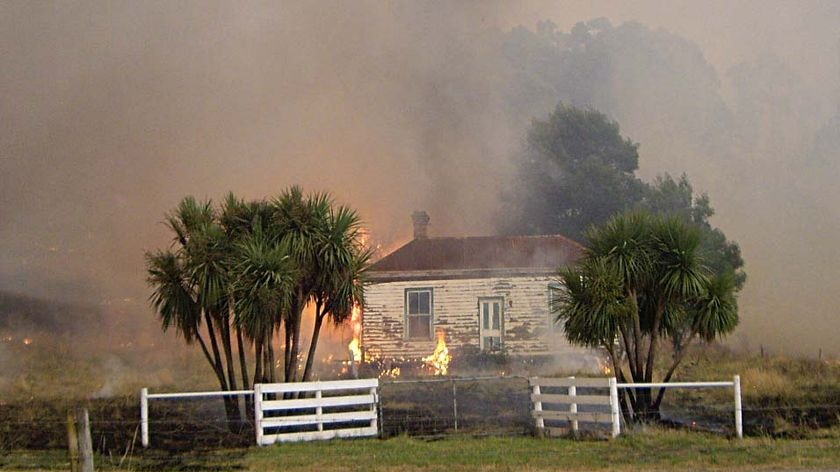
column 492, row 293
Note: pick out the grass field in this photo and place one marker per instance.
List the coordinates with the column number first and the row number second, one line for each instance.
column 646, row 450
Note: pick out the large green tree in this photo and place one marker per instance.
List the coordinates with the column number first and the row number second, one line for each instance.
column 577, row 170
column 642, row 280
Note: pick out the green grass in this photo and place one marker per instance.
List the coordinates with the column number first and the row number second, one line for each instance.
column 643, row 451
column 648, row 450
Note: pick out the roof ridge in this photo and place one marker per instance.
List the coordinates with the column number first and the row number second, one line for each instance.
column 482, row 252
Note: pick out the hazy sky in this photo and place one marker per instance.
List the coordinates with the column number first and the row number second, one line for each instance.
column 111, row 112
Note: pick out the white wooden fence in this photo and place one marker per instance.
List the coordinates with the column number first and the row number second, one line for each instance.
column 540, row 399
column 544, row 395
column 316, row 410
column 736, row 390
column 145, row 396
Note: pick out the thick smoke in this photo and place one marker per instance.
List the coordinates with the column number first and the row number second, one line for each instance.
column 112, row 113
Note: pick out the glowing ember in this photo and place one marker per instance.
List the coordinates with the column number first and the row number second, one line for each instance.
column 27, row 341
column 606, row 368
column 355, row 346
column 393, row 372
column 439, row 361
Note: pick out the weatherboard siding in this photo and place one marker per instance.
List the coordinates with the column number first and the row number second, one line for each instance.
column 455, row 313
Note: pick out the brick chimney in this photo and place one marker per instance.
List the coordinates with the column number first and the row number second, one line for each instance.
column 421, row 224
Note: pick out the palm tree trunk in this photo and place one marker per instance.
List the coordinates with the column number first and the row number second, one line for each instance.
column 228, row 347
column 677, row 360
column 310, row 357
column 231, row 409
column 243, row 369
column 269, row 362
column 204, row 348
column 287, row 349
column 258, row 360
column 627, row 348
column 217, row 359
column 637, row 336
column 243, row 360
column 228, row 350
column 654, row 339
column 297, row 314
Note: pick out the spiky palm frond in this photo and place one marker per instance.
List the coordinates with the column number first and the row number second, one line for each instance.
column 188, row 217
column 593, row 303
column 680, row 273
column 716, row 310
column 624, row 243
column 266, row 275
column 299, row 221
column 206, row 259
column 342, row 262
column 172, row 297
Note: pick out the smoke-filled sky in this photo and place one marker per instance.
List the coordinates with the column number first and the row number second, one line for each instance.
column 111, row 112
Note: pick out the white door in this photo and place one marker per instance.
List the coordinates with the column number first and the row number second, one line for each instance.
column 491, row 323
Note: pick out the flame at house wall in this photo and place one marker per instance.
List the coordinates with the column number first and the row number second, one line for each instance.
column 439, row 360
column 355, row 345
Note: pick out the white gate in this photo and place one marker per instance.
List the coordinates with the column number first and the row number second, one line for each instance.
column 316, row 410
column 604, row 408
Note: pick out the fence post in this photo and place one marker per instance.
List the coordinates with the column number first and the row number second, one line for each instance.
column 377, row 410
column 573, row 407
column 79, row 441
column 739, row 425
column 319, row 410
column 455, row 404
column 258, row 413
column 538, row 406
column 616, row 418
column 144, row 417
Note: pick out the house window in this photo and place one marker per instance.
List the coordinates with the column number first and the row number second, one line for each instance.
column 554, row 300
column 491, row 323
column 418, row 313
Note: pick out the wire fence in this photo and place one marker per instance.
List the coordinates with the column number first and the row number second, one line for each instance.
column 420, row 407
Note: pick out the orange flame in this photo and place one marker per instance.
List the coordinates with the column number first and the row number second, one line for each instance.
column 439, row 360
column 355, row 345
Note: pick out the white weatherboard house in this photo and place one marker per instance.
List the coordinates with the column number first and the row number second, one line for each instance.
column 493, row 293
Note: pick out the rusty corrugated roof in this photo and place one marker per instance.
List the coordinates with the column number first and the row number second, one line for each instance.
column 485, row 252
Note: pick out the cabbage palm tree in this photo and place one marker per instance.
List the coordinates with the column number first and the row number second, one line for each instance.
column 249, row 269
column 324, row 243
column 191, row 287
column 265, row 280
column 642, row 279
column 298, row 222
column 341, row 263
